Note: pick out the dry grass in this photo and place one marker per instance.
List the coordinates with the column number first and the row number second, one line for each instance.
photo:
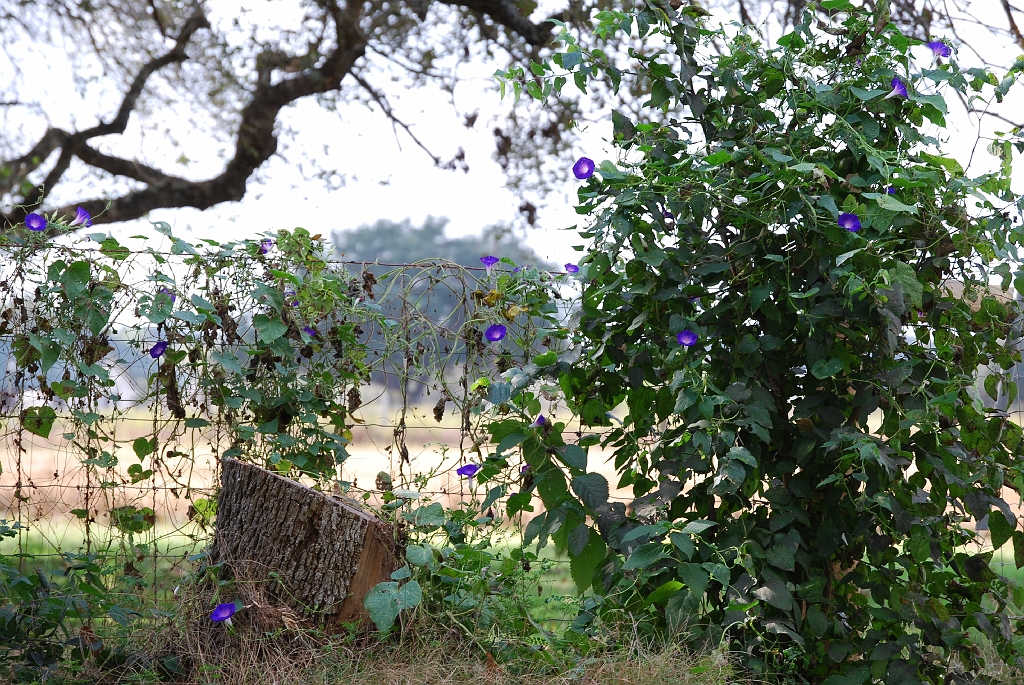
column 269, row 644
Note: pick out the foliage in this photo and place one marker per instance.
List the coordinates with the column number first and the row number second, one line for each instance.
column 772, row 509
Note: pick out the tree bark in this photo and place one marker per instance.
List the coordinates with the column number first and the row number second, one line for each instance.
column 327, row 554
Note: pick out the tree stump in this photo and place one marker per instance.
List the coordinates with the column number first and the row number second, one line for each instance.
column 326, row 553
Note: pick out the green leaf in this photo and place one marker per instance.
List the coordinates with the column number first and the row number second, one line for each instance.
column 992, row 386
column 1018, row 548
column 823, row 369
column 228, row 360
column 592, row 489
column 683, row 542
column 742, row 454
column 39, row 420
column 886, row 201
column 429, row 516
column 663, row 592
column 843, row 258
column 867, row 94
column 546, row 359
column 113, row 249
column 573, row 456
column 143, row 447
column 817, row 621
column 75, row 279
column 950, row 165
column 419, row 555
column 698, row 526
column 695, row 578
column 1000, row 529
column 583, row 565
column 905, row 275
column 622, row 126
column 781, row 557
column 803, row 167
column 269, row 329
column 773, row 590
column 720, row 157
column 382, row 605
column 645, row 555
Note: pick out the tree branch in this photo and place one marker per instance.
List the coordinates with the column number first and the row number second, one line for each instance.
column 508, row 15
column 1017, row 37
column 386, row 107
column 55, row 138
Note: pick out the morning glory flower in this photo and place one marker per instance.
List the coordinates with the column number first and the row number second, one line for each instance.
column 938, row 48
column 290, row 299
column 265, row 245
column 687, row 338
column 583, row 168
column 571, row 268
column 158, row 349
column 524, row 468
column 82, row 218
column 540, row 422
column 851, row 222
column 496, row 332
column 890, row 191
column 223, row 613
column 35, row 222
column 310, row 331
column 898, row 88
column 469, row 470
column 489, row 261
column 168, row 293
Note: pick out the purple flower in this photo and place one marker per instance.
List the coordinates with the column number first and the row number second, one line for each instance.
column 265, row 245
column 890, row 191
column 583, row 168
column 310, row 331
column 524, row 468
column 168, row 293
column 35, row 222
column 158, row 349
column 489, row 261
column 668, row 215
column 496, row 332
column 223, row 613
column 290, row 299
column 851, row 222
column 898, row 88
column 540, row 422
column 469, row 470
column 572, row 268
column 938, row 48
column 687, row 338
column 82, row 218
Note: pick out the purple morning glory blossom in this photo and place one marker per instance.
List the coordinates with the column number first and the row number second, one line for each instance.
column 572, row 268
column 35, row 222
column 540, row 422
column 851, row 222
column 168, row 293
column 310, row 331
column 290, row 299
column 938, row 48
column 223, row 613
column 898, row 89
column 489, row 261
column 496, row 332
column 686, row 338
column 158, row 349
column 469, row 470
column 524, row 468
column 82, row 218
column 583, row 168
column 265, row 245
column 890, row 191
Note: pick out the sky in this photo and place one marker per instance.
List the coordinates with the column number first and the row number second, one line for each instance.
column 386, row 175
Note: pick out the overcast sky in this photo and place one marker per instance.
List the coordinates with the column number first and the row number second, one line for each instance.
column 381, row 175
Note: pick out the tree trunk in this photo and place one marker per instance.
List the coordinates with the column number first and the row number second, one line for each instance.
column 327, row 554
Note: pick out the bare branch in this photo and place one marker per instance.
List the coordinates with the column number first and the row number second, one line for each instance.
column 1017, row 37
column 510, row 16
column 389, row 113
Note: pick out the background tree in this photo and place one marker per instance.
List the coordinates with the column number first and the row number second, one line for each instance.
column 231, row 75
column 440, row 296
